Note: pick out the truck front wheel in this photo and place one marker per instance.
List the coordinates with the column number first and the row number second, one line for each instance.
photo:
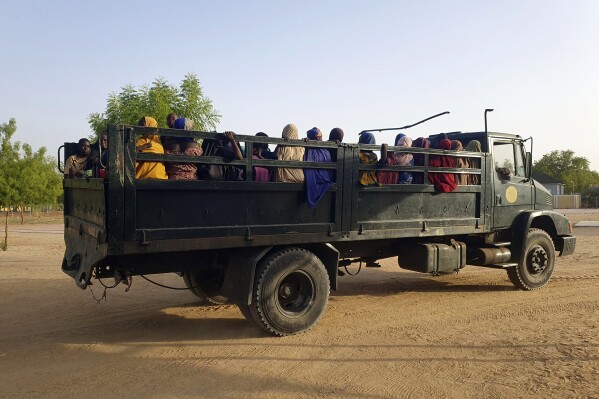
column 536, row 264
column 291, row 292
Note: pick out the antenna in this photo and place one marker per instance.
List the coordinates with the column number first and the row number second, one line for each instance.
column 405, row 127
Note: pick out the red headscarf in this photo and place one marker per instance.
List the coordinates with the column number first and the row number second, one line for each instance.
column 444, row 182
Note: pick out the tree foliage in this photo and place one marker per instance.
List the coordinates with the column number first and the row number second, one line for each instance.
column 27, row 177
column 574, row 172
column 158, row 100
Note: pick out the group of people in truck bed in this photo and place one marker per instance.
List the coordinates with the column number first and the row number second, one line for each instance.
column 91, row 159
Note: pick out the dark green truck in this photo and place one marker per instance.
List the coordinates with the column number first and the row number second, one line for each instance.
column 260, row 246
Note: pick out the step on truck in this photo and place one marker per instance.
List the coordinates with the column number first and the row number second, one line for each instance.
column 259, row 246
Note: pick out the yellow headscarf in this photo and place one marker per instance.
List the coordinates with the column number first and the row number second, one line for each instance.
column 150, row 170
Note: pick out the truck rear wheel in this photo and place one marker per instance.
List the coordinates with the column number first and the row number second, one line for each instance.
column 205, row 285
column 291, row 292
column 536, row 264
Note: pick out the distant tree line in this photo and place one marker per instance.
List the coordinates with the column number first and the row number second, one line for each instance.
column 27, row 178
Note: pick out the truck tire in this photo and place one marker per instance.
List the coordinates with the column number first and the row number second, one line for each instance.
column 291, row 292
column 246, row 311
column 536, row 264
column 202, row 285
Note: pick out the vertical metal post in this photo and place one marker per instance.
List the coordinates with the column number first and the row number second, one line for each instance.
column 487, row 110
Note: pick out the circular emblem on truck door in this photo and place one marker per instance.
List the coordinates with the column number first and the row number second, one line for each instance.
column 511, row 194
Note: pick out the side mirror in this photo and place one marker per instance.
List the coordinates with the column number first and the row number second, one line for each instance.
column 528, row 165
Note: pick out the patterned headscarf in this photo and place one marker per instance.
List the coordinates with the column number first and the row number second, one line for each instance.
column 290, row 132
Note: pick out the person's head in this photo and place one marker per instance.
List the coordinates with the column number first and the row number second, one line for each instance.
column 83, row 147
column 260, row 146
column 456, row 145
column 366, row 138
column 183, row 124
column 103, row 141
column 314, row 134
column 147, row 121
column 445, row 144
column 171, row 145
column 474, row 146
column 421, row 142
column 221, row 140
column 398, row 137
column 336, row 135
column 404, row 141
column 290, row 132
column 170, row 119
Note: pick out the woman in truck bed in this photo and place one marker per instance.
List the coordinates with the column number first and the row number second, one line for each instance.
column 290, row 153
column 182, row 146
column 149, row 144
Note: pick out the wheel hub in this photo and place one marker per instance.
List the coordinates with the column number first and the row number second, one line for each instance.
column 537, row 259
column 286, row 291
column 295, row 294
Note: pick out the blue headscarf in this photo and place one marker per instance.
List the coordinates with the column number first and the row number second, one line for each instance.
column 318, row 181
column 315, row 134
column 366, row 138
column 183, row 124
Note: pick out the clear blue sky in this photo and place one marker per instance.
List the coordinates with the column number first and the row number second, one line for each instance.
column 351, row 64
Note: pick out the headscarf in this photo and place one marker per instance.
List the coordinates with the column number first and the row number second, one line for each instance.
column 149, row 169
column 474, row 146
column 366, row 138
column 443, row 182
column 368, row 157
column 460, row 162
column 398, row 137
column 420, row 142
column 403, row 158
column 336, row 135
column 289, row 153
column 148, row 121
column 314, row 134
column 290, row 132
column 318, row 181
column 183, row 123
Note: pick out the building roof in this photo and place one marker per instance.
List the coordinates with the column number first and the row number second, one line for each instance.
column 544, row 179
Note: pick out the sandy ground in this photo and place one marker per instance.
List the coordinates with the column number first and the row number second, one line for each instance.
column 386, row 333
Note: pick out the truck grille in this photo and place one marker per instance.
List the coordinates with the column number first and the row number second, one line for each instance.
column 549, row 199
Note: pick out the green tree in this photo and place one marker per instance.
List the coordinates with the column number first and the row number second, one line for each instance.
column 158, row 100
column 27, row 177
column 574, row 172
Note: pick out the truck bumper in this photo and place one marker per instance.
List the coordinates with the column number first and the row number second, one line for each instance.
column 566, row 245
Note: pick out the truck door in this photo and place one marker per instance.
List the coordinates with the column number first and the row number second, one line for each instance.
column 512, row 191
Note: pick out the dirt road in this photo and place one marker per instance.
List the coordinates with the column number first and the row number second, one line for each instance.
column 386, row 333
